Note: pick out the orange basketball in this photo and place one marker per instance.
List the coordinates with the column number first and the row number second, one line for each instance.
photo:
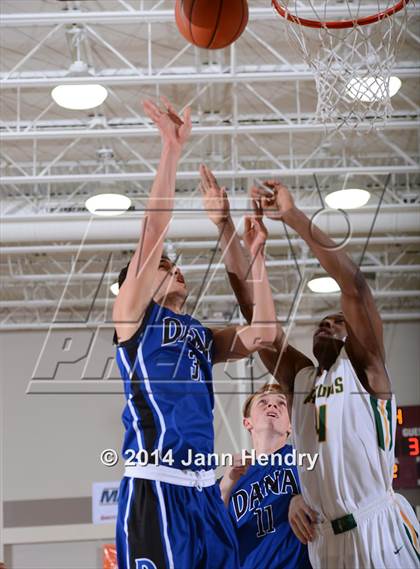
column 212, row 24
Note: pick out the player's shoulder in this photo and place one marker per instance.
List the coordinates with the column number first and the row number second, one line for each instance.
column 149, row 316
column 306, row 373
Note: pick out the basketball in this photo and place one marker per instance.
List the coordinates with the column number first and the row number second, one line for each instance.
column 212, row 24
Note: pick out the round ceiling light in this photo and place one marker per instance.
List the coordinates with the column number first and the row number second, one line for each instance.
column 323, row 284
column 79, row 97
column 108, row 204
column 370, row 89
column 351, row 198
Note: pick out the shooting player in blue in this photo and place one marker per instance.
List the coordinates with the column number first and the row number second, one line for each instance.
column 170, row 516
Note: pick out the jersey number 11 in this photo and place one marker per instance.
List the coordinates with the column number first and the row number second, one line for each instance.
column 262, row 531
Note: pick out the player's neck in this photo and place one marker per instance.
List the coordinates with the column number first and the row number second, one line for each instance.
column 173, row 302
column 268, row 442
column 326, row 356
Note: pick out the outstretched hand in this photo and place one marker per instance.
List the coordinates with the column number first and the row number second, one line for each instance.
column 172, row 129
column 215, row 198
column 276, row 200
column 255, row 232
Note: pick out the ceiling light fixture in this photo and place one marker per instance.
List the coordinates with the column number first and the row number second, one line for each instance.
column 369, row 89
column 108, row 204
column 79, row 96
column 323, row 285
column 351, row 198
column 108, row 200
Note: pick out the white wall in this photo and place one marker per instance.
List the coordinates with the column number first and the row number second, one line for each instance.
column 61, row 555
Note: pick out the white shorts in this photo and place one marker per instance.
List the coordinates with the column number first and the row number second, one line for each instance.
column 386, row 537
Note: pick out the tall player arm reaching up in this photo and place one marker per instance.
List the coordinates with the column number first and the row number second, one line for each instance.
column 282, row 360
column 137, row 289
column 364, row 343
column 237, row 342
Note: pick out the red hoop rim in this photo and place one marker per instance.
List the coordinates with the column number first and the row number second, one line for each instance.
column 338, row 25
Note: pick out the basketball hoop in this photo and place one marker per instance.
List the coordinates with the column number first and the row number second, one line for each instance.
column 352, row 57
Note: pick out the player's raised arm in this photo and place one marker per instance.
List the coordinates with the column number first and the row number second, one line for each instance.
column 216, row 204
column 364, row 341
column 281, row 360
column 236, row 342
column 137, row 290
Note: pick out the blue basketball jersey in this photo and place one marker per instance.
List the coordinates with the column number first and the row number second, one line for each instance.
column 259, row 507
column 167, row 372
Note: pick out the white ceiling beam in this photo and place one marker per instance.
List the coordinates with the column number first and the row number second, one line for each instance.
column 159, row 16
column 202, row 268
column 199, row 130
column 190, row 76
column 213, row 298
column 52, row 228
column 25, row 250
column 195, row 175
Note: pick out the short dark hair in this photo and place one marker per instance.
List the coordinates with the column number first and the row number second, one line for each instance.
column 123, row 273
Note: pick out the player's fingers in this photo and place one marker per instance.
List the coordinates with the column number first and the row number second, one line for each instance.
column 203, row 184
column 298, row 533
column 171, row 111
column 312, row 515
column 223, row 191
column 261, row 227
column 186, row 115
column 151, row 105
column 151, row 110
column 211, row 180
column 301, row 527
column 258, row 209
column 254, row 204
column 305, row 524
column 212, row 177
column 247, row 224
column 256, row 192
column 204, row 177
column 259, row 193
column 270, row 183
column 167, row 104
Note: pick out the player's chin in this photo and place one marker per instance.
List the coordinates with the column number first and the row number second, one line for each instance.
column 322, row 340
column 182, row 287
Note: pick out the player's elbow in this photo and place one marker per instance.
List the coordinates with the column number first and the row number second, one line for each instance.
column 265, row 335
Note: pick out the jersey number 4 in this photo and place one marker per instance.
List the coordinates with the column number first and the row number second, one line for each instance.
column 262, row 531
column 321, row 422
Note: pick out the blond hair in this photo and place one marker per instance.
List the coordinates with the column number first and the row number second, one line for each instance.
column 266, row 388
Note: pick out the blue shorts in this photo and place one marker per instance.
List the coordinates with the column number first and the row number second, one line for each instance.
column 166, row 526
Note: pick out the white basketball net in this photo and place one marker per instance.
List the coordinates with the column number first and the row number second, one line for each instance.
column 352, row 66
